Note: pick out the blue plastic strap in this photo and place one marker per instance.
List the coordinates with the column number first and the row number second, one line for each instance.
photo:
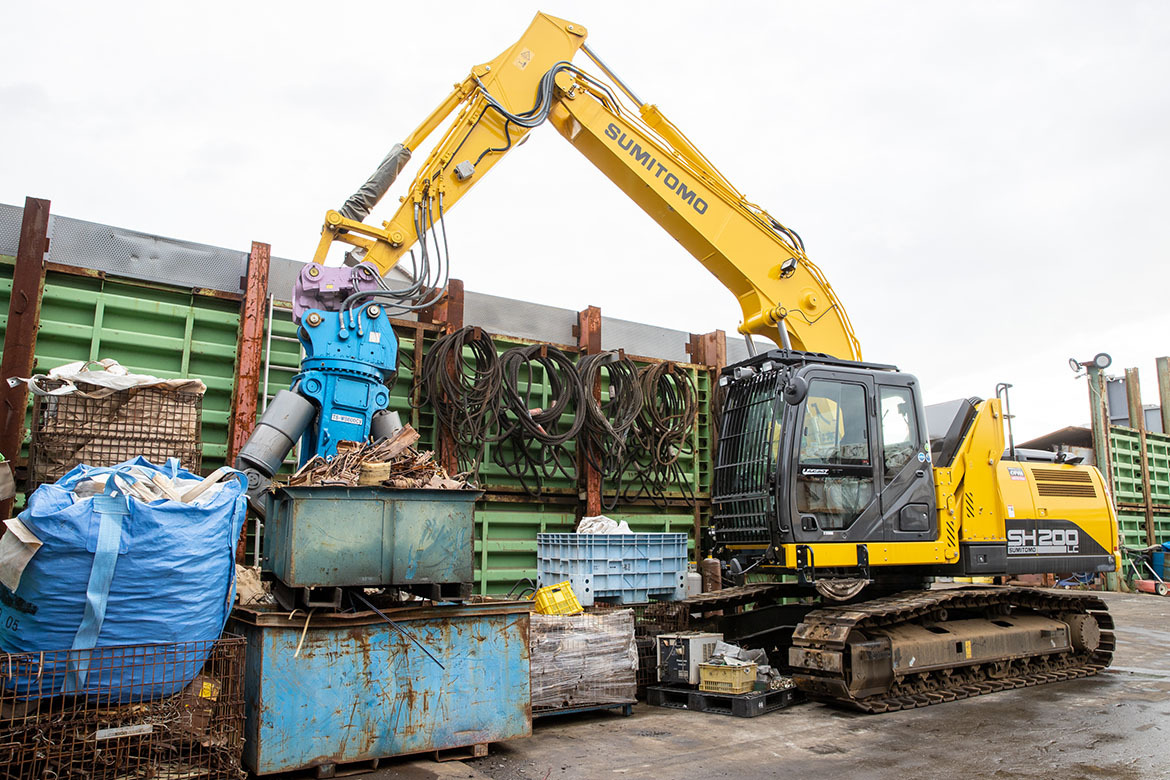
column 112, row 511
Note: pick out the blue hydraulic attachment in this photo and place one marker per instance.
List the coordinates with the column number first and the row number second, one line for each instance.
column 349, row 358
column 341, row 392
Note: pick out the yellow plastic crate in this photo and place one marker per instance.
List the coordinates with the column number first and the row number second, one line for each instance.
column 557, row 599
column 717, row 678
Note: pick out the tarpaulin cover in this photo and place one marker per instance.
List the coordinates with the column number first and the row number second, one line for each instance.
column 115, row 571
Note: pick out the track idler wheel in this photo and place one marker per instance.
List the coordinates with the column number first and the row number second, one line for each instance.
column 1083, row 631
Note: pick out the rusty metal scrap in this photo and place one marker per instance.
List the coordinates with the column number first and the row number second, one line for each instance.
column 392, row 462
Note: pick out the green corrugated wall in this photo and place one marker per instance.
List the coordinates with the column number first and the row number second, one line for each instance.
column 172, row 333
column 151, row 329
column 1128, row 494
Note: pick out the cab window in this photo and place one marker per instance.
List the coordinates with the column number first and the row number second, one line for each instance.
column 899, row 428
column 836, row 430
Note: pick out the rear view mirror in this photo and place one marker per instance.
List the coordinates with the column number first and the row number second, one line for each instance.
column 796, row 390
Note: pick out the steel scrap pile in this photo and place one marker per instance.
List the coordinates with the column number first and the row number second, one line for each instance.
column 391, row 462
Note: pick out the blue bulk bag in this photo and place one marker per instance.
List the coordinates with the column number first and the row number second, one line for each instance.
column 116, row 572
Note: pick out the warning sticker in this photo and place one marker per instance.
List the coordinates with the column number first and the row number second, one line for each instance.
column 523, row 58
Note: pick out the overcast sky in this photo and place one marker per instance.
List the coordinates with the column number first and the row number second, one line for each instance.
column 985, row 184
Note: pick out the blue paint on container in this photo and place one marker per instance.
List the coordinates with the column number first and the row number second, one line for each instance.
column 360, row 690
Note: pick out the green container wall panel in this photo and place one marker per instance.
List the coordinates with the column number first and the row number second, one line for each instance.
column 149, row 329
column 174, row 333
column 1132, row 528
column 505, row 540
column 1125, row 459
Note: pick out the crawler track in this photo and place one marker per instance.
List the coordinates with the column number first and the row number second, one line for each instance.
column 828, row 629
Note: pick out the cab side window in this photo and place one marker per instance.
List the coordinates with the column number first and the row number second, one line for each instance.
column 900, row 441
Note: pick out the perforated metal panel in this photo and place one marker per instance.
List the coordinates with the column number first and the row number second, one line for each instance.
column 519, row 318
column 135, row 255
column 737, row 348
column 645, row 340
column 10, row 217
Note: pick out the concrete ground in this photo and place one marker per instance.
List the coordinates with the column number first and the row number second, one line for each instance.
column 1114, row 725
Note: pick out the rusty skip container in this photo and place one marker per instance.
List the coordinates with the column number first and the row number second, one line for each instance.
column 352, row 536
column 358, row 690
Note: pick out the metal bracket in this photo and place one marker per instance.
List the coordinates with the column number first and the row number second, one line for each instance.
column 806, row 569
column 311, row 598
column 863, row 561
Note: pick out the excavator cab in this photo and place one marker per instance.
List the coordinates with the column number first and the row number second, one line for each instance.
column 814, row 449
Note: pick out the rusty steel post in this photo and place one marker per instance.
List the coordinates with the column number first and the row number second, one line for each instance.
column 588, row 333
column 708, row 349
column 449, row 311
column 249, row 351
column 1164, row 392
column 249, row 364
column 1133, row 399
column 1137, row 419
column 20, row 335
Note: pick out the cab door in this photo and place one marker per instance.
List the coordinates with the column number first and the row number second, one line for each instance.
column 905, row 471
column 834, row 491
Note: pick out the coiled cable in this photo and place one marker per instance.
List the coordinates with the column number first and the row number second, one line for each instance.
column 531, row 445
column 608, row 422
column 662, row 433
column 460, row 378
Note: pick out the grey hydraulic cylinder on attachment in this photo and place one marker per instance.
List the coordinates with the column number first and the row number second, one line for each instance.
column 285, row 419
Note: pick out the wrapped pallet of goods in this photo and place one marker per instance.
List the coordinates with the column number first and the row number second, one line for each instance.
column 583, row 661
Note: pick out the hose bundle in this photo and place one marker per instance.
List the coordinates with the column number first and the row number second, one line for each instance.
column 534, row 431
column 461, row 379
column 608, row 423
column 529, row 403
column 662, row 430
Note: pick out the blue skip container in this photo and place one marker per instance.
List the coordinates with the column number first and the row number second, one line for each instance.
column 615, row 568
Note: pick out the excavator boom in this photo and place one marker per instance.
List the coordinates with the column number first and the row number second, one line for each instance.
column 782, row 294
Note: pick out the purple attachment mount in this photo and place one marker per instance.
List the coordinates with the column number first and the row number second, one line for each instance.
column 325, row 288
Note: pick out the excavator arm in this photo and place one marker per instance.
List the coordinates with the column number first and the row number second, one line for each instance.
column 783, row 295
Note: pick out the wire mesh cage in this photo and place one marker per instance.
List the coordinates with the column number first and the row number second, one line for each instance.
column 100, row 428
column 647, row 664
column 652, row 618
column 163, row 712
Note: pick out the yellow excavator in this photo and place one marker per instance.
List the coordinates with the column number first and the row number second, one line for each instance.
column 830, row 469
